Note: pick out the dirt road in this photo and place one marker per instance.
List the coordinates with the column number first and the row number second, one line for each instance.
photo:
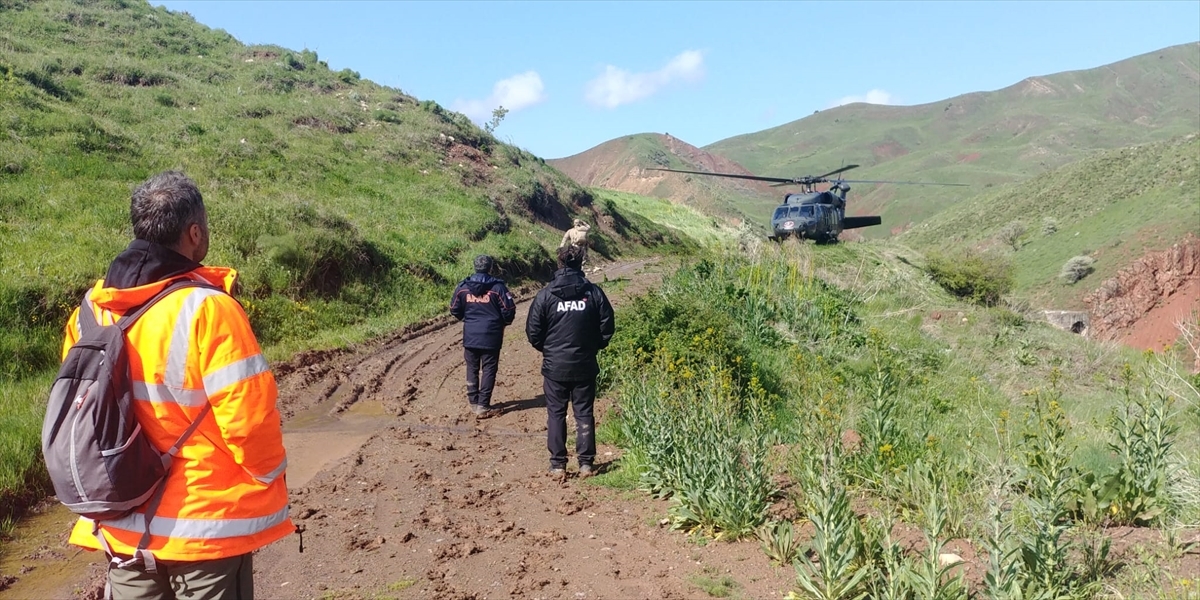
column 403, row 494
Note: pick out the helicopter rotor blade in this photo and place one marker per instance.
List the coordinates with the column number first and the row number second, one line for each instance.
column 902, row 182
column 835, row 172
column 732, row 175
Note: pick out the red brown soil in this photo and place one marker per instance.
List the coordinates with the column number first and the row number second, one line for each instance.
column 889, row 150
column 1141, row 305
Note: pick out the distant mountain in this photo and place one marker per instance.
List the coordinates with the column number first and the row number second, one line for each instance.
column 982, row 138
column 1115, row 206
column 623, row 164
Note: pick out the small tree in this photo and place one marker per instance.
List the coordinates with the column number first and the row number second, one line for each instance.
column 1077, row 268
column 1049, row 226
column 1012, row 233
column 497, row 115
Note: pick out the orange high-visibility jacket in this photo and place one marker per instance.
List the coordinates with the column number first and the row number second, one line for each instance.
column 225, row 494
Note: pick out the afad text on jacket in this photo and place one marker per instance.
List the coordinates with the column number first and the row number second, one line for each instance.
column 569, row 321
column 485, row 307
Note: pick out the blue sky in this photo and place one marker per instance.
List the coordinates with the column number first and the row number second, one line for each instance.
column 576, row 74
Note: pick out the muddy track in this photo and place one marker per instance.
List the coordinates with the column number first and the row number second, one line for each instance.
column 402, row 493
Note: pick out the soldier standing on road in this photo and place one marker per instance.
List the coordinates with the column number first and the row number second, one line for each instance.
column 577, row 236
column 485, row 307
column 569, row 321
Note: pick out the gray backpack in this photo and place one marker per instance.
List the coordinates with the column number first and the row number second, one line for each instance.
column 99, row 460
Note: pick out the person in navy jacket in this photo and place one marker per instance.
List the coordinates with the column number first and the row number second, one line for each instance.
column 485, row 307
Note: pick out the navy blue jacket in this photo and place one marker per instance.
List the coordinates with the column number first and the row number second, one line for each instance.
column 485, row 307
column 569, row 321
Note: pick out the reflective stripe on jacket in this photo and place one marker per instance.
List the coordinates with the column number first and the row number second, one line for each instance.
column 225, row 494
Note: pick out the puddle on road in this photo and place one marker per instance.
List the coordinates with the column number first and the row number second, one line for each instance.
column 316, row 437
column 39, row 556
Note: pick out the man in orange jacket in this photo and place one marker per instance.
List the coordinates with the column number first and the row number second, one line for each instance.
column 225, row 495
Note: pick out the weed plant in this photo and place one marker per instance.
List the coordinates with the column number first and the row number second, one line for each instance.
column 837, row 538
column 967, row 427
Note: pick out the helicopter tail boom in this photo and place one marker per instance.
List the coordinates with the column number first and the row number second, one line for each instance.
column 856, row 222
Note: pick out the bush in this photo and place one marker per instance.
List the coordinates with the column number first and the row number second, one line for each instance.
column 320, row 255
column 1049, row 226
column 978, row 277
column 1012, row 233
column 1077, row 268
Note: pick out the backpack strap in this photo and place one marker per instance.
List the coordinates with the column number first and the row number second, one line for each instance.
column 87, row 316
column 141, row 554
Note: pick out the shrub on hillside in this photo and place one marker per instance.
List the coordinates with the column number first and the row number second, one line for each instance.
column 1077, row 268
column 1049, row 226
column 1012, row 233
column 319, row 255
column 975, row 276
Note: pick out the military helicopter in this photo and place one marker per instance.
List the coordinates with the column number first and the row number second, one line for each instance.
column 815, row 215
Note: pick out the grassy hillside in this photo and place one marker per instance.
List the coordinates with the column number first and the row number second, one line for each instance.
column 350, row 208
column 621, row 164
column 1114, row 206
column 687, row 222
column 982, row 138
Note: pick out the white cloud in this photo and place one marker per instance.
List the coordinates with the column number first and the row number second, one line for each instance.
column 871, row 97
column 617, row 86
column 515, row 93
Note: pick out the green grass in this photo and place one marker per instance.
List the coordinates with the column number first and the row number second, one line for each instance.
column 1114, row 206
column 20, row 444
column 715, row 586
column 687, row 221
column 799, row 343
column 349, row 208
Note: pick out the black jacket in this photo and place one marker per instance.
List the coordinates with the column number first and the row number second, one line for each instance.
column 569, row 321
column 485, row 307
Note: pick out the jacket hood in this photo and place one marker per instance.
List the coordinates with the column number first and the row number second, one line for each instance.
column 144, row 268
column 568, row 284
column 480, row 283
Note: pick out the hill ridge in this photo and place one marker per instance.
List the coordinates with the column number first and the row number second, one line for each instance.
column 624, row 163
column 984, row 137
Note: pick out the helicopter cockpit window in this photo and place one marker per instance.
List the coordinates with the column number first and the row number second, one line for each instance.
column 795, row 212
column 780, row 212
column 806, row 211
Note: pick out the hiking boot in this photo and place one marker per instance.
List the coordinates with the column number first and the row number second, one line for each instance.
column 586, row 471
column 558, row 473
column 484, row 412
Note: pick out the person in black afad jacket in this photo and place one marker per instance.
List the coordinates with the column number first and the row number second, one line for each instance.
column 485, row 307
column 569, row 321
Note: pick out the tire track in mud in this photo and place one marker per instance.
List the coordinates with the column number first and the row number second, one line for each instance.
column 432, row 502
column 402, row 493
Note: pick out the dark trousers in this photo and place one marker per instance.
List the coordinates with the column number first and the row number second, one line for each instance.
column 481, row 375
column 581, row 395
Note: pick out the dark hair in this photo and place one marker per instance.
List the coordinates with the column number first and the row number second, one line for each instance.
column 163, row 206
column 483, row 263
column 570, row 257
